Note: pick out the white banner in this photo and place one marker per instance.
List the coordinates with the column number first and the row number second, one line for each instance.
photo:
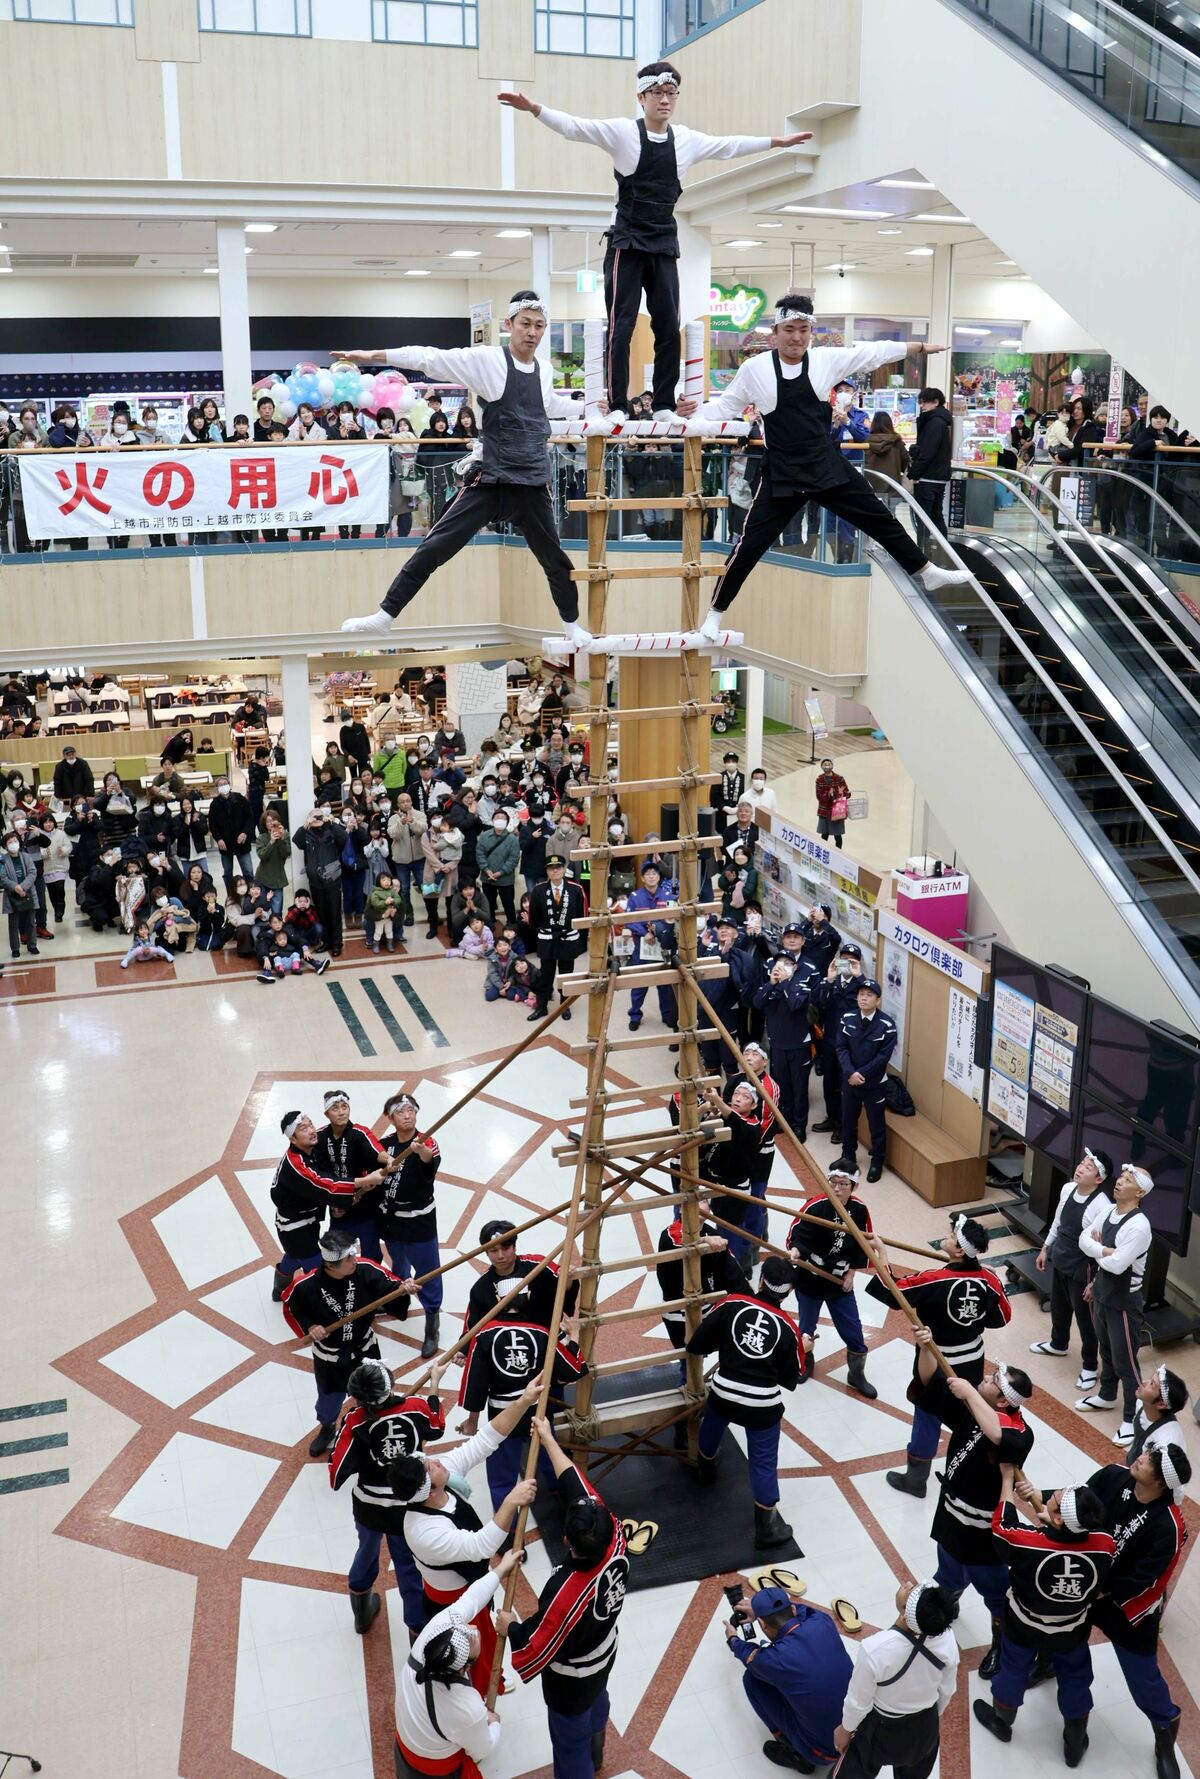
column 960, row 1070
column 124, row 493
column 932, row 950
column 894, row 971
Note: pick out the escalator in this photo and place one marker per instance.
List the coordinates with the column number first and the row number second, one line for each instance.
column 1104, row 728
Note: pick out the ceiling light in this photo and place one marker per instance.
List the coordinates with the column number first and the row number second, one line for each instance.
column 832, row 210
column 889, row 231
column 748, row 242
column 261, row 228
column 5, row 271
column 249, row 250
column 210, row 271
column 463, row 253
column 1006, row 262
column 907, row 184
column 511, row 234
column 847, row 265
column 1015, row 344
column 768, row 225
column 919, row 253
column 418, row 273
column 979, row 331
column 942, row 216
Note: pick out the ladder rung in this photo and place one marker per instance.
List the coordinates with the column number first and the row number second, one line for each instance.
column 600, row 503
column 709, row 1131
column 634, row 849
column 682, row 780
column 669, row 911
column 686, row 570
column 687, row 708
column 705, row 968
column 620, row 1094
column 705, row 1034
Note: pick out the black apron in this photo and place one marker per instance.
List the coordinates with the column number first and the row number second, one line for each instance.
column 515, row 431
column 646, row 199
column 1066, row 1256
column 1115, row 1290
column 801, row 455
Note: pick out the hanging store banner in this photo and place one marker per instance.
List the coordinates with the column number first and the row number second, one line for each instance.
column 124, row 493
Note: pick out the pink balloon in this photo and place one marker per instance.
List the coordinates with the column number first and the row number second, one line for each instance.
column 389, row 391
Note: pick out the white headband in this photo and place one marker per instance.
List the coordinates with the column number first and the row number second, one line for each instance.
column 460, row 1641
column 1009, row 1391
column 1171, row 1476
column 651, row 80
column 1161, row 1375
column 1066, row 1506
column 331, row 1099
column 1141, row 1176
column 422, row 1493
column 290, row 1128
column 964, row 1242
column 911, row 1604
column 779, row 1291
column 1097, row 1163
column 784, row 312
column 330, row 1247
column 515, row 308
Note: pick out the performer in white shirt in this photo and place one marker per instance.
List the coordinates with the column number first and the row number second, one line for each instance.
column 440, row 1717
column 511, row 477
column 790, row 387
column 650, row 155
column 903, row 1680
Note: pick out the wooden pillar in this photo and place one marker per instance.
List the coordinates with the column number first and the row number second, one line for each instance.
column 649, row 749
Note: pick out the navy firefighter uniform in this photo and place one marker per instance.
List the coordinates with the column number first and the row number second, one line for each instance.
column 1149, row 1537
column 501, row 1360
column 797, row 1681
column 864, row 1043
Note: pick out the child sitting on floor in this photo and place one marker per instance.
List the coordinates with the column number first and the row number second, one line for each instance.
column 476, row 941
column 144, row 950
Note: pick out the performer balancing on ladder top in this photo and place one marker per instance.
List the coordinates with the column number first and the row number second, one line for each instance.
column 650, row 155
column 790, row 387
column 511, row 479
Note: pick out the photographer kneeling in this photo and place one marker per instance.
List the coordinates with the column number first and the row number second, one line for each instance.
column 797, row 1681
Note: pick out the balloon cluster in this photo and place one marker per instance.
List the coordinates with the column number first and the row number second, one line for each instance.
column 342, row 382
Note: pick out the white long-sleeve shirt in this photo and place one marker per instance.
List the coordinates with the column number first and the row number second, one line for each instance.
column 1100, row 1206
column 1130, row 1248
column 434, row 1540
column 484, row 369
column 621, row 140
column 461, row 1713
column 827, row 366
column 884, row 1654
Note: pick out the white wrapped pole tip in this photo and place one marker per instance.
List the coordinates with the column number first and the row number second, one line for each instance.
column 693, row 360
column 647, row 642
column 648, row 429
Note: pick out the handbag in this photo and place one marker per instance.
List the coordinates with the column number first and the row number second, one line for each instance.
column 412, row 486
column 838, row 809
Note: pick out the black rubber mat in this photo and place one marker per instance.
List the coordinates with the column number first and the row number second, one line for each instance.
column 700, row 1531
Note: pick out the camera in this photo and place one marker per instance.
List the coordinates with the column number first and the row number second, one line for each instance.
column 740, row 1614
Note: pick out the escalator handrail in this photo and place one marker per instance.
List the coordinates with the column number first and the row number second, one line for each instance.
column 1120, row 475
column 1073, row 528
column 921, row 520
column 1137, row 27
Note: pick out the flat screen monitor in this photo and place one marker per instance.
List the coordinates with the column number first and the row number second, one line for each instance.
column 1145, row 1072
column 1103, row 1127
column 1033, row 1069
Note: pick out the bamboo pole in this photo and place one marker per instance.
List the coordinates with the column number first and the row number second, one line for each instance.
column 597, row 1076
column 496, row 1069
column 782, row 1192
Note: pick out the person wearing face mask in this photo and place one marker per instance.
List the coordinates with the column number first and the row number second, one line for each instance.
column 66, row 434
column 154, row 824
column 73, row 777
column 762, row 798
column 833, row 794
column 26, row 435
column 96, row 892
column 348, row 429
column 442, row 847
column 406, row 831
column 391, row 764
column 116, row 810
column 82, row 826
column 231, row 824
column 355, row 742
column 18, row 884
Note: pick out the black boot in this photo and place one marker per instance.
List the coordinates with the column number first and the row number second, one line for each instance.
column 429, row 1345
column 1075, row 1739
column 279, row 1284
column 782, row 1754
column 856, row 1376
column 322, row 1440
column 365, row 1608
column 997, row 1718
column 824, row 1124
column 913, row 1479
column 991, row 1660
column 598, row 1749
column 706, row 1471
column 770, row 1528
column 431, row 915
column 1165, row 1764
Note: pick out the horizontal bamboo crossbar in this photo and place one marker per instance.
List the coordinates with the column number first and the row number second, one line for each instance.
column 642, row 1312
column 689, row 707
column 639, row 1145
column 614, row 1367
column 638, row 849
column 648, row 1040
column 639, row 1262
column 708, row 1131
column 669, row 911
column 600, row 503
column 637, row 978
column 685, row 778
column 689, row 570
column 611, row 1096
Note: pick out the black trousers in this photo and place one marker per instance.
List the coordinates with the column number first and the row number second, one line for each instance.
column 791, row 1068
column 627, row 273
column 854, row 1100
column 908, row 1745
column 528, row 507
column 1066, row 1300
column 327, row 900
column 931, row 498
column 551, row 958
column 853, row 501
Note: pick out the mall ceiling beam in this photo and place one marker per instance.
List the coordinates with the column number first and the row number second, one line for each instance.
column 490, row 640
column 778, row 178
column 160, row 200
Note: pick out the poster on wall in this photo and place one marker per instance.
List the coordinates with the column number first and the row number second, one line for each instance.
column 816, row 718
column 1052, row 1063
column 960, row 1070
column 895, row 987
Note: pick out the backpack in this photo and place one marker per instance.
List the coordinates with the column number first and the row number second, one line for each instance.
column 897, row 1098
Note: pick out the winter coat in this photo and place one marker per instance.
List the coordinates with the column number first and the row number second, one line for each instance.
column 887, row 454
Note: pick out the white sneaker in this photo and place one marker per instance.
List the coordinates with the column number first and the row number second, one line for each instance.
column 1124, row 1434
column 1095, row 1404
column 378, row 624
column 667, row 414
column 1086, row 1380
column 932, row 578
column 713, row 626
column 1050, row 1351
column 578, row 639
column 617, row 416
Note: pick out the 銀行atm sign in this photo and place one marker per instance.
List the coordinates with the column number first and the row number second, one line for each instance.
column 736, row 310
